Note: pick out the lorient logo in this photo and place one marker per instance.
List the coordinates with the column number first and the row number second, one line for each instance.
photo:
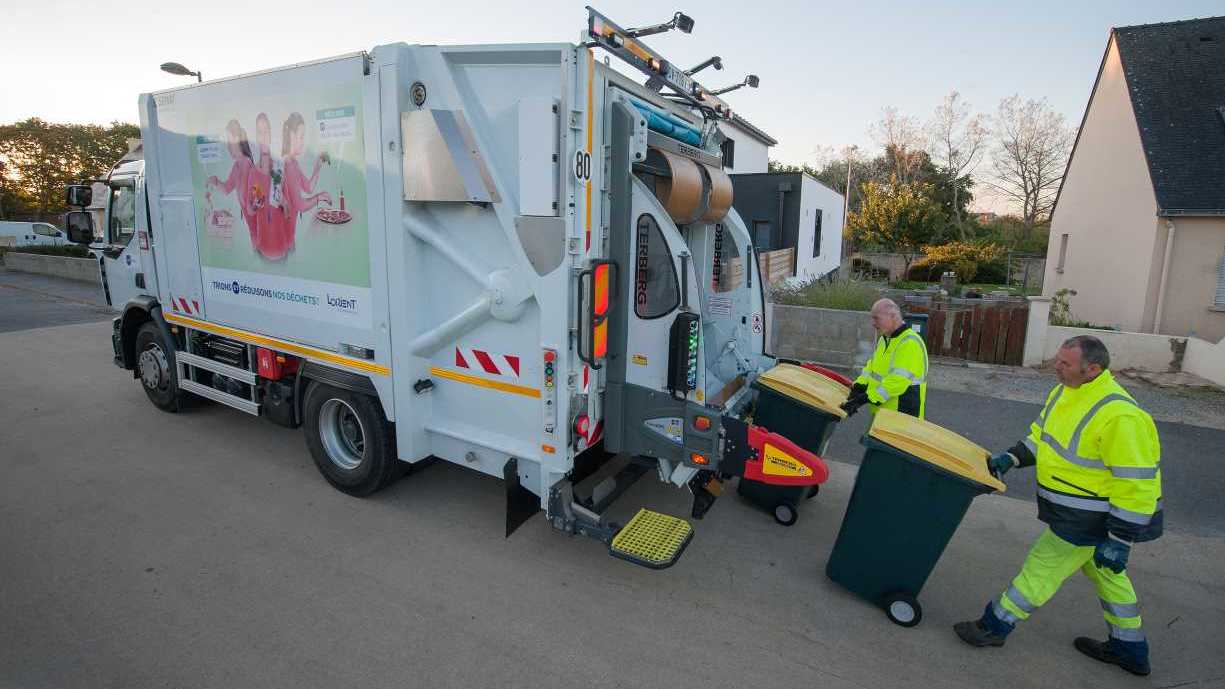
column 342, row 303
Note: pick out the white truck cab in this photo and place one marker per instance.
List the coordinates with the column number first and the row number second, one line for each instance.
column 509, row 257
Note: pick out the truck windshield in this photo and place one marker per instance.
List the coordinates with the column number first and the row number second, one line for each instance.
column 123, row 214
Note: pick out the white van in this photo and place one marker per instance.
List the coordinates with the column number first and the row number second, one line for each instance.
column 30, row 234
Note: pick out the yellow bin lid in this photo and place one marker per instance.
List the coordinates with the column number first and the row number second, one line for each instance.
column 807, row 386
column 934, row 444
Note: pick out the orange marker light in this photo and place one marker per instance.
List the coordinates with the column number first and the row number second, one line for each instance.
column 600, row 284
column 698, row 459
column 548, row 449
column 599, row 343
column 701, row 423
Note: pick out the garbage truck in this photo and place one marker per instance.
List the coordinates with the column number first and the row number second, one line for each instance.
column 514, row 258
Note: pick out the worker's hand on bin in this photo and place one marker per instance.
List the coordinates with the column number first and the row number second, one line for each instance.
column 857, row 398
column 1112, row 554
column 999, row 464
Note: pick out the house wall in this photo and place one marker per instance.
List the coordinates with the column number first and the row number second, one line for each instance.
column 1199, row 246
column 1108, row 210
column 752, row 155
column 815, row 196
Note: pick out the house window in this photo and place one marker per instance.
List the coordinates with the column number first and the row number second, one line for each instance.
column 1063, row 253
column 816, row 236
column 1219, row 301
column 761, row 234
column 729, row 153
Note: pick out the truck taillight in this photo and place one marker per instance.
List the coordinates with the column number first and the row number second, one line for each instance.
column 597, row 292
column 600, row 284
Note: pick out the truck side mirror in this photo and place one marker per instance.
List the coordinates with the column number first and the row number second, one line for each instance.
column 80, row 195
column 80, row 227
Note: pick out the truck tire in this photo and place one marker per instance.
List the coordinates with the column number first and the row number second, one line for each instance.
column 154, row 370
column 350, row 439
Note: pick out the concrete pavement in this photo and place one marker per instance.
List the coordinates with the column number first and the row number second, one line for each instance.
column 144, row 549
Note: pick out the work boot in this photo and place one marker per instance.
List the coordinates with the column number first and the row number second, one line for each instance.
column 987, row 630
column 1129, row 655
column 974, row 633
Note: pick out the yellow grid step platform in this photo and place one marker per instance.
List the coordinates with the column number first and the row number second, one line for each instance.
column 652, row 539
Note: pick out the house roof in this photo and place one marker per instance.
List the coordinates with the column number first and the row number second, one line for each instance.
column 752, row 130
column 1176, row 78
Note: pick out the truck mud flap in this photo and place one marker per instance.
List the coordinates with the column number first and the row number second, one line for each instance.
column 521, row 503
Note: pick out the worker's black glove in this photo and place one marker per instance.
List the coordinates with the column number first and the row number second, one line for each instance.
column 857, row 398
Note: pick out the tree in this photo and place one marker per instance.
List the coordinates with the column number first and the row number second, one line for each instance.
column 901, row 138
column 898, row 217
column 956, row 139
column 41, row 158
column 1030, row 154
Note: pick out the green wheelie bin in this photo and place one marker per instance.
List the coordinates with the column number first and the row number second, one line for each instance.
column 803, row 405
column 914, row 486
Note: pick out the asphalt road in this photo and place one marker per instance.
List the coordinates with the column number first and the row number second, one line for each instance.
column 1193, row 476
column 37, row 301
column 202, row 549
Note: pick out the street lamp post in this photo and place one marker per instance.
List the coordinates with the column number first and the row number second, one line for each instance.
column 846, row 199
column 180, row 70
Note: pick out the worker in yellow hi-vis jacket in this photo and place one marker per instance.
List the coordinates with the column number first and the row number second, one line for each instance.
column 896, row 375
column 1099, row 491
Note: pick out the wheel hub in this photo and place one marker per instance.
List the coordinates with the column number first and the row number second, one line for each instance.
column 154, row 368
column 342, row 434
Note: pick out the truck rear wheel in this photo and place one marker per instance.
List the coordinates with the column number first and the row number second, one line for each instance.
column 154, row 370
column 350, row 439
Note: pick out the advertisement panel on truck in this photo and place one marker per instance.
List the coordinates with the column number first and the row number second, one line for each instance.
column 280, row 197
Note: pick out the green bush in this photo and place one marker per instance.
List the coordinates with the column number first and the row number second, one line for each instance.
column 73, row 250
column 844, row 295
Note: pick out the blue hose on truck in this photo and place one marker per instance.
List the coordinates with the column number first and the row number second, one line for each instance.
column 668, row 125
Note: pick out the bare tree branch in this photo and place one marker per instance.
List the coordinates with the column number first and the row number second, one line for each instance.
column 1030, row 152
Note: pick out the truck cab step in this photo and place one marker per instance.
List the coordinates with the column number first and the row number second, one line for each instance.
column 652, row 539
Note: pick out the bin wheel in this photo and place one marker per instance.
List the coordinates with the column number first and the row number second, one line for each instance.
column 813, row 492
column 785, row 514
column 903, row 609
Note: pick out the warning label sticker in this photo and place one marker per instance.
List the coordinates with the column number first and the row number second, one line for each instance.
column 779, row 463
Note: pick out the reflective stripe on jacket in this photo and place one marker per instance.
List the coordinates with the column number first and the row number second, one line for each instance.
column 1099, row 464
column 896, row 375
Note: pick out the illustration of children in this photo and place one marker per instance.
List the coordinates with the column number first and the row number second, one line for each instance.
column 240, row 172
column 263, row 193
column 297, row 190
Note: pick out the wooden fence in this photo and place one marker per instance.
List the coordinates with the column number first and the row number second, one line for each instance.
column 776, row 265
column 990, row 333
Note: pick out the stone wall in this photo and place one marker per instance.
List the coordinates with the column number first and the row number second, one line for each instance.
column 82, row 269
column 843, row 339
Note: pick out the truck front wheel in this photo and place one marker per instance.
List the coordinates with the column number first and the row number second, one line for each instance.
column 154, row 370
column 350, row 439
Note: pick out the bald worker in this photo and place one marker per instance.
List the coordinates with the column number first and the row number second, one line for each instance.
column 896, row 375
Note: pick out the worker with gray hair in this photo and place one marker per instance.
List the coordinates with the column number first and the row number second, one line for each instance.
column 1098, row 460
column 896, row 375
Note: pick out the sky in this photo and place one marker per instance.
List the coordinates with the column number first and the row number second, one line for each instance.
column 826, row 69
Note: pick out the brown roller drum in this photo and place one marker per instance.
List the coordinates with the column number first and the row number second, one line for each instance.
column 681, row 195
column 720, row 195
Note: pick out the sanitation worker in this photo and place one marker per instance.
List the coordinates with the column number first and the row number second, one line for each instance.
column 896, row 375
column 1099, row 492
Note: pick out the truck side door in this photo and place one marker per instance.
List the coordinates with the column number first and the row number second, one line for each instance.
column 122, row 273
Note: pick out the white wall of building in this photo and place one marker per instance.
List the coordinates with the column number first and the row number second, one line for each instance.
column 1104, row 232
column 752, row 154
column 814, row 197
